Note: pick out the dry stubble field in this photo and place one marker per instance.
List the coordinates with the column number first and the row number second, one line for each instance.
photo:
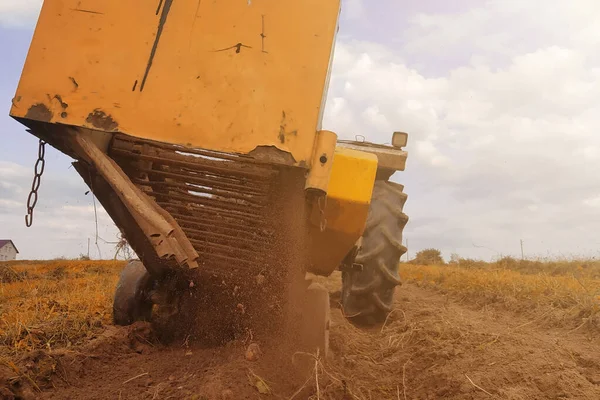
column 508, row 330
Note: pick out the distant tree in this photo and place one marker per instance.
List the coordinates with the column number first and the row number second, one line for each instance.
column 428, row 257
column 454, row 258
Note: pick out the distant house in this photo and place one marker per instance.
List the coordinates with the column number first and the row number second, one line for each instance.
column 8, row 250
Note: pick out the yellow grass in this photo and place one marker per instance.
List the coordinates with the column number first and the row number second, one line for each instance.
column 574, row 290
column 589, row 268
column 55, row 304
column 63, row 303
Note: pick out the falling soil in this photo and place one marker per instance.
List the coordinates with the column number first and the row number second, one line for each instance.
column 432, row 346
column 246, row 302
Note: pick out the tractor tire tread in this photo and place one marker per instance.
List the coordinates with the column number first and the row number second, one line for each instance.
column 368, row 295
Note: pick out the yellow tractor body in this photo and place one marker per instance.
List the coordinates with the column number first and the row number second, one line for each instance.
column 230, row 76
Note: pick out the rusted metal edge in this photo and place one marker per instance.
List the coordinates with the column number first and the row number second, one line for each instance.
column 117, row 211
column 132, row 143
column 186, row 162
column 162, row 230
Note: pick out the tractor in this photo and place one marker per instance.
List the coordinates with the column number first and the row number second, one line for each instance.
column 197, row 126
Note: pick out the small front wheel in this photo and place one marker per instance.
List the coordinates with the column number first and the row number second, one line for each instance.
column 132, row 301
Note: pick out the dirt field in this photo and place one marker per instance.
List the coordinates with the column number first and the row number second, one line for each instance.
column 456, row 333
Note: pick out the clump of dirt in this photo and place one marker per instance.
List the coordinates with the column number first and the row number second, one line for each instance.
column 43, row 370
column 9, row 275
column 31, row 374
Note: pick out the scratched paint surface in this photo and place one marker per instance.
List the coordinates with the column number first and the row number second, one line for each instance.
column 220, row 75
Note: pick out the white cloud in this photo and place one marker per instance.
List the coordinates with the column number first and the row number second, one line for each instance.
column 64, row 216
column 353, row 9
column 17, row 13
column 12, row 170
column 503, row 140
column 496, row 30
column 592, row 202
column 7, row 204
column 501, row 104
column 427, row 151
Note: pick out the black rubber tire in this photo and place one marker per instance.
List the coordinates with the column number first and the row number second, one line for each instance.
column 368, row 295
column 131, row 302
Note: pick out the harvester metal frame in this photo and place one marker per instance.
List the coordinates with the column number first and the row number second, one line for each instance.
column 189, row 154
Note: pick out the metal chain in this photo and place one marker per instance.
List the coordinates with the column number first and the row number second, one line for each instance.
column 322, row 204
column 35, row 185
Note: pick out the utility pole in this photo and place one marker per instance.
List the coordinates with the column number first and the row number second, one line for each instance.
column 88, row 256
column 522, row 254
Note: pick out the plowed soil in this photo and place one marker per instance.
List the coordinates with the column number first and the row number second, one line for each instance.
column 432, row 346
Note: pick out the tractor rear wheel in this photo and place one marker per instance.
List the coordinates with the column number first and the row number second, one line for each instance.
column 132, row 302
column 368, row 294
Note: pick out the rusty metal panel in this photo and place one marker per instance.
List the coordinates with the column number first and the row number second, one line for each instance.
column 222, row 75
column 220, row 201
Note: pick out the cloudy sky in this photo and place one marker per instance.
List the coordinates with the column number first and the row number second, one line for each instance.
column 501, row 100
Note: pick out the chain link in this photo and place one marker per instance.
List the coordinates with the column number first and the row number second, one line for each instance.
column 322, row 204
column 35, row 185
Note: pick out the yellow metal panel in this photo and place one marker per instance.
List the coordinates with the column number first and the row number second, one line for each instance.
column 346, row 210
column 352, row 176
column 320, row 173
column 221, row 75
